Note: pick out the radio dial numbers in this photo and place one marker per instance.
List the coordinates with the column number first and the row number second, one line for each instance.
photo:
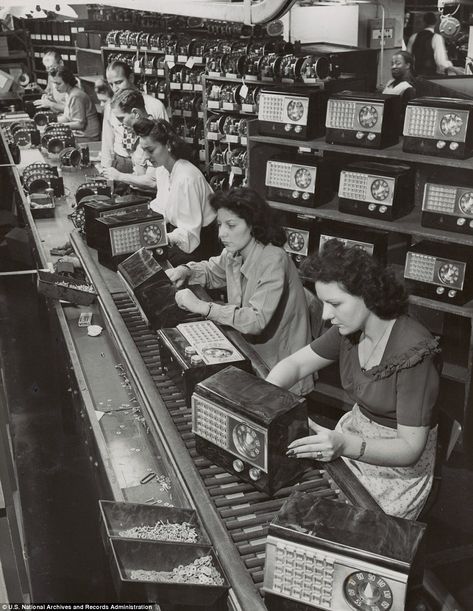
column 451, row 124
column 380, row 190
column 295, row 241
column 302, row 178
column 449, row 273
column 466, row 203
column 368, row 116
column 152, row 235
column 246, row 441
column 295, row 110
column 365, row 591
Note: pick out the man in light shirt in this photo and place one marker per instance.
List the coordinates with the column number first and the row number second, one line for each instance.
column 429, row 52
column 52, row 98
column 118, row 140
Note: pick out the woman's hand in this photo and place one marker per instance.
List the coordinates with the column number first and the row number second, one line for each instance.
column 178, row 275
column 186, row 300
column 325, row 445
column 111, row 173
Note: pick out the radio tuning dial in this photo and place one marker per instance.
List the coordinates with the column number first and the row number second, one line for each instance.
column 466, row 203
column 152, row 234
column 238, row 465
column 461, row 221
column 453, row 146
column 371, row 136
column 372, row 207
column 383, row 209
column 359, row 135
column 254, row 474
column 441, row 144
column 368, row 116
column 452, row 293
column 449, row 273
column 440, row 290
column 365, row 591
column 295, row 240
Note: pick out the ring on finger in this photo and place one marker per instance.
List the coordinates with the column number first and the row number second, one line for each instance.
column 319, row 455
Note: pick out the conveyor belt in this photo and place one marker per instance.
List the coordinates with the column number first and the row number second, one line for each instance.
column 245, row 511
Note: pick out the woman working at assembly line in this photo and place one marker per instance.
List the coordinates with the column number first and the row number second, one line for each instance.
column 266, row 300
column 182, row 193
column 389, row 367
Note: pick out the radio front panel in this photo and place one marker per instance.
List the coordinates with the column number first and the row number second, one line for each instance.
column 372, row 241
column 327, row 580
column 439, row 271
column 370, row 122
column 129, row 238
column 291, row 115
column 230, row 432
column 448, row 207
column 297, row 242
column 291, row 182
column 440, row 127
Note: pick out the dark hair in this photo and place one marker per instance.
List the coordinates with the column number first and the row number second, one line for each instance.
column 57, row 56
column 102, row 86
column 359, row 274
column 65, row 74
column 127, row 99
column 406, row 56
column 430, row 19
column 119, row 65
column 161, row 131
column 252, row 208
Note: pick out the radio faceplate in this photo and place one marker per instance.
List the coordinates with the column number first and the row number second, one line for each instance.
column 366, row 120
column 245, row 424
column 376, row 190
column 439, row 126
column 448, row 207
column 440, row 271
column 318, row 555
column 295, row 181
column 373, row 241
column 292, row 114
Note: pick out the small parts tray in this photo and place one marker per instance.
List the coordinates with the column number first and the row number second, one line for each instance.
column 128, row 556
column 118, row 518
column 57, row 286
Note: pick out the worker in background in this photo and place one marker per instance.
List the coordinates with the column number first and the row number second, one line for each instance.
column 128, row 106
column 403, row 82
column 52, row 98
column 103, row 91
column 118, row 140
column 429, row 51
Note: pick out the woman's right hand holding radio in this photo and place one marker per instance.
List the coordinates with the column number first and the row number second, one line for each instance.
column 179, row 275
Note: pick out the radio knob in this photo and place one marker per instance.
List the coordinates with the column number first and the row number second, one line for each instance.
column 190, row 350
column 196, row 359
column 471, row 224
column 295, row 194
column 441, row 144
column 255, row 474
column 452, row 294
column 372, row 207
column 298, row 129
column 287, row 127
column 383, row 209
column 453, row 146
column 461, row 221
column 359, row 135
column 440, row 290
column 238, row 465
column 371, row 136
column 305, row 195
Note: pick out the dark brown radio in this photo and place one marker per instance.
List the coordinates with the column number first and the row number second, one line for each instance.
column 245, row 424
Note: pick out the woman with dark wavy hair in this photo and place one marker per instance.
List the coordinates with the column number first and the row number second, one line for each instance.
column 183, row 192
column 389, row 367
column 266, row 300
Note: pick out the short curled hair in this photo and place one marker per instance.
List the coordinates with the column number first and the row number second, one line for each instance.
column 127, row 99
column 252, row 208
column 358, row 273
column 161, row 131
column 65, row 74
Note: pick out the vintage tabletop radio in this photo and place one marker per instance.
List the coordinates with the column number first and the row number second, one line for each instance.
column 292, row 114
column 245, row 424
column 368, row 120
column 439, row 126
column 195, row 350
column 98, row 208
column 448, row 207
column 300, row 238
column 372, row 241
column 119, row 235
column 296, row 181
column 94, row 186
column 326, row 554
column 440, row 271
column 150, row 288
column 376, row 190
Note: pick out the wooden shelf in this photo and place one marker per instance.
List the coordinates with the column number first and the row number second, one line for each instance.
column 391, row 152
column 51, row 44
column 13, row 56
column 95, row 51
column 409, row 224
column 91, row 78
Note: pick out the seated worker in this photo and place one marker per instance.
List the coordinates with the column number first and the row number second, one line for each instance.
column 118, row 141
column 183, row 193
column 403, row 81
column 79, row 112
column 266, row 300
column 128, row 106
column 389, row 367
column 103, row 91
column 52, row 98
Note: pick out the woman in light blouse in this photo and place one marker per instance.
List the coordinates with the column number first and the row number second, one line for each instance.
column 266, row 300
column 183, row 193
column 79, row 111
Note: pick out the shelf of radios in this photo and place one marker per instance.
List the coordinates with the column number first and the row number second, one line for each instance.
column 452, row 321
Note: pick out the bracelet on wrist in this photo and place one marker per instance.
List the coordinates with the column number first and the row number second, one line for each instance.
column 208, row 311
column 362, row 450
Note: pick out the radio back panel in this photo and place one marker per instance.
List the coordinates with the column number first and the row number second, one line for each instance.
column 376, row 190
column 366, row 120
column 439, row 126
column 245, row 424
